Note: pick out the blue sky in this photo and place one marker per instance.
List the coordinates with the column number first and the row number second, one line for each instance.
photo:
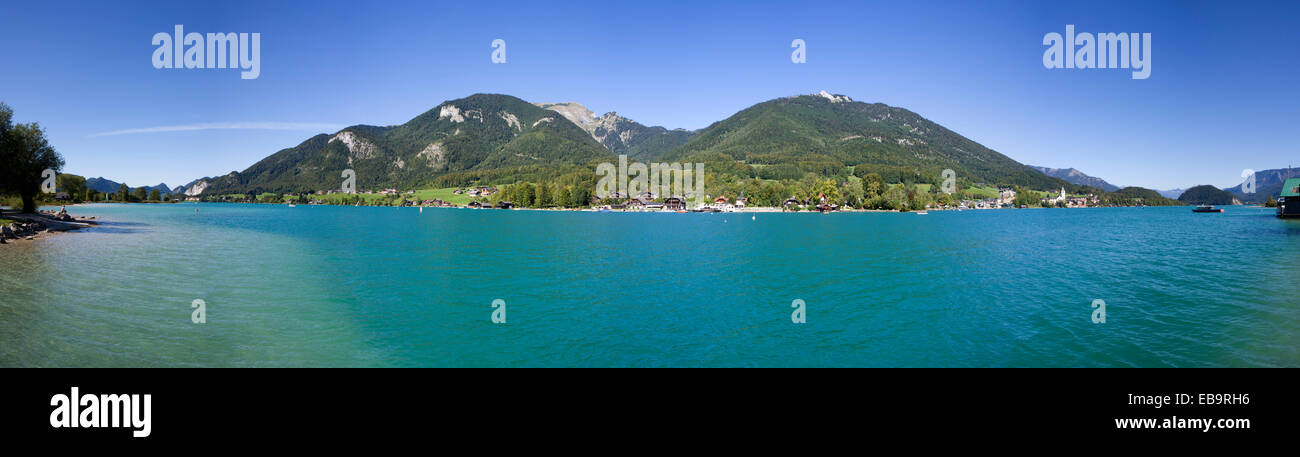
column 1220, row 97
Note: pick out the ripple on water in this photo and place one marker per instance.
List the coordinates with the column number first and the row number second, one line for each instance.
column 344, row 286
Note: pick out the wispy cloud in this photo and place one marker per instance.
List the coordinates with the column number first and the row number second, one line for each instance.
column 299, row 126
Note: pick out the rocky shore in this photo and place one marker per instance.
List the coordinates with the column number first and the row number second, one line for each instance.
column 27, row 227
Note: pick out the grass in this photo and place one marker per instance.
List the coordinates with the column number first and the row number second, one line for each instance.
column 4, row 221
column 445, row 194
column 920, row 187
column 983, row 192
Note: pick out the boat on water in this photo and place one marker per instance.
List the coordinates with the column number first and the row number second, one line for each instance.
column 1206, row 209
column 922, row 213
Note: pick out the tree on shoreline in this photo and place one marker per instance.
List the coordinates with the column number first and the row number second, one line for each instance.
column 25, row 154
column 74, row 185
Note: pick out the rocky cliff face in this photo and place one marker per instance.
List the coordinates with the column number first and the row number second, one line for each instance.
column 622, row 135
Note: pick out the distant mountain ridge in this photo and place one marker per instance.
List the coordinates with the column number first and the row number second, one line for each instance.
column 1077, row 177
column 1268, row 183
column 192, row 188
column 1172, row 193
column 499, row 138
column 104, row 185
column 823, row 133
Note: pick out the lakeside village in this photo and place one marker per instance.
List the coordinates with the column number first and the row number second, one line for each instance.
column 489, row 197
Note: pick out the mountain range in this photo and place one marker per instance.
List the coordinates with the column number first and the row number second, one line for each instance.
column 789, row 137
column 1267, row 183
column 483, row 136
column 109, row 186
column 1077, row 177
column 1172, row 193
column 495, row 138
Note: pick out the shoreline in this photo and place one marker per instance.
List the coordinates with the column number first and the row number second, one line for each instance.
column 39, row 225
column 754, row 209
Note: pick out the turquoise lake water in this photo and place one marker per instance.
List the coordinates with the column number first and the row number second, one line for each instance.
column 362, row 286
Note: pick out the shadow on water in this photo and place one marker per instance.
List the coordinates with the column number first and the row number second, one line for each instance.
column 118, row 227
column 1290, row 226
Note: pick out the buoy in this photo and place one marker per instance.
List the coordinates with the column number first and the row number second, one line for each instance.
column 753, row 218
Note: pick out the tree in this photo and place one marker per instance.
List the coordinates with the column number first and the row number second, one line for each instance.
column 769, row 194
column 943, row 200
column 1271, row 203
column 827, row 188
column 25, row 154
column 74, row 185
column 580, row 197
column 1025, row 197
column 123, row 193
column 873, row 184
column 520, row 193
column 154, row 195
column 854, row 193
column 806, row 189
column 140, row 193
column 895, row 197
column 919, row 199
column 564, row 197
column 543, row 195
